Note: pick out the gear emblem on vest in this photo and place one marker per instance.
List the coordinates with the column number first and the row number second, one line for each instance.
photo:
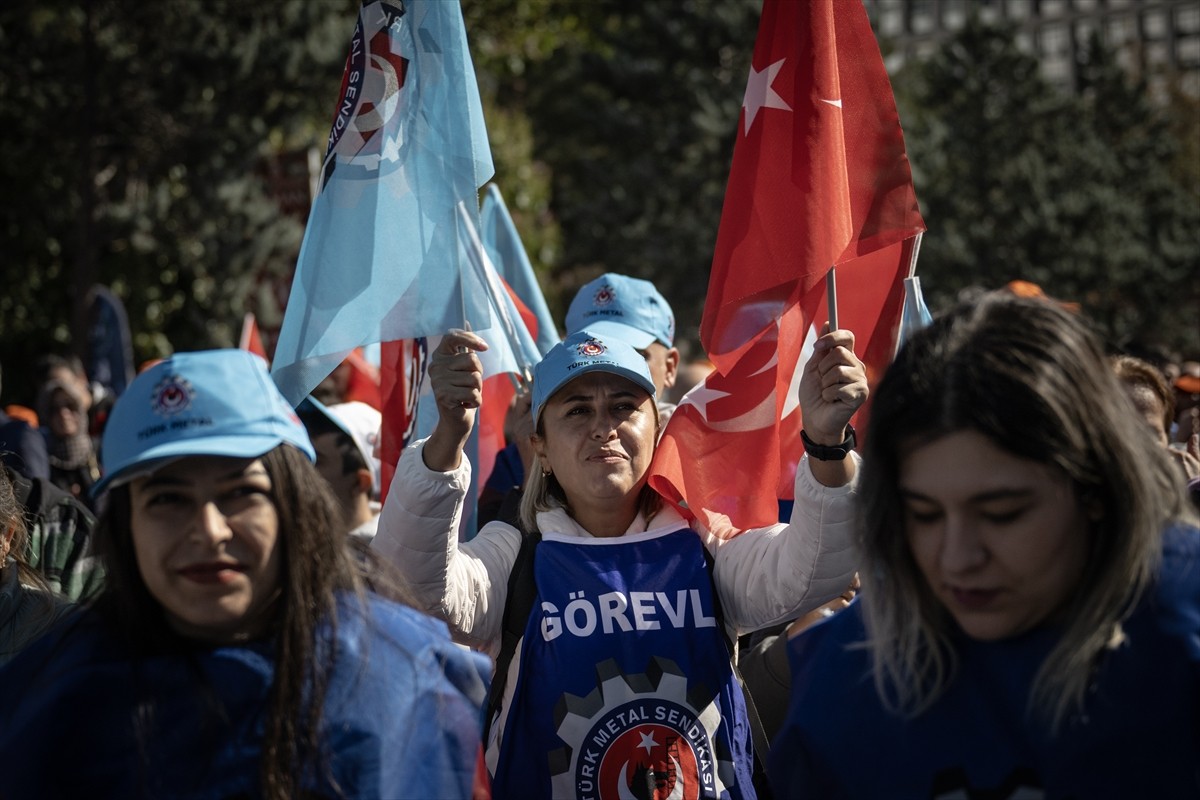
column 639, row 737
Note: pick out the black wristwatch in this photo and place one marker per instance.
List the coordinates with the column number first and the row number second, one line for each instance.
column 836, row 452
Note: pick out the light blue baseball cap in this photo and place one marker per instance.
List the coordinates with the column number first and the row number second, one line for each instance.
column 629, row 309
column 357, row 420
column 583, row 352
column 206, row 403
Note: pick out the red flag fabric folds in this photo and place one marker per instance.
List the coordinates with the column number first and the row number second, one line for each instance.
column 402, row 370
column 819, row 178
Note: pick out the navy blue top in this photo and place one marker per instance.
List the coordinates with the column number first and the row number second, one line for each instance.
column 1139, row 735
column 401, row 718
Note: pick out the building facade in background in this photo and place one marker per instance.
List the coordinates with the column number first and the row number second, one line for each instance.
column 1159, row 39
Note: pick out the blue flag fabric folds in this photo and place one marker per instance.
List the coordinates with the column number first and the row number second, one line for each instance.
column 503, row 244
column 380, row 258
column 915, row 314
column 511, row 348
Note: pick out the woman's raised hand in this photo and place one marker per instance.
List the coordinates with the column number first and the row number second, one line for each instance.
column 456, row 377
column 832, row 387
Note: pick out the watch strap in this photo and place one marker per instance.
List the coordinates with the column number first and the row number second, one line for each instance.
column 836, row 452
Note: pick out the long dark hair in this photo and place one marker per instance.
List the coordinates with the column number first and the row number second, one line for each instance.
column 1033, row 379
column 317, row 563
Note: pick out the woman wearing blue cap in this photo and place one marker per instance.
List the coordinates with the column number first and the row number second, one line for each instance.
column 236, row 649
column 622, row 685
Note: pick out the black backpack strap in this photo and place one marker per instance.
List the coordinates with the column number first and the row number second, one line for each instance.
column 762, row 745
column 522, row 591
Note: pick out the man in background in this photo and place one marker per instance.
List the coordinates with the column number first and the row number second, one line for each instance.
column 344, row 436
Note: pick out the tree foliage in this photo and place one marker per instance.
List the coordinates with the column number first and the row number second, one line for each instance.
column 637, row 122
column 1075, row 192
column 137, row 137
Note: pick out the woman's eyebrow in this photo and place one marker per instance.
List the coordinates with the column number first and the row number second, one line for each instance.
column 1003, row 493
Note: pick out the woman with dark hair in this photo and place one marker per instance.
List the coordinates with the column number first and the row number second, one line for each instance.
column 27, row 605
column 237, row 649
column 621, row 684
column 1030, row 606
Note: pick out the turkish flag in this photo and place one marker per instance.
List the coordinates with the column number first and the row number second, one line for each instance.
column 401, row 371
column 364, row 382
column 819, row 178
column 251, row 339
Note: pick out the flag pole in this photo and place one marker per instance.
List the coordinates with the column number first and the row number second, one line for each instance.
column 462, row 282
column 916, row 248
column 831, row 297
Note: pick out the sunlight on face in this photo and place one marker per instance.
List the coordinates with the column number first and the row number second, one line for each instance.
column 205, row 534
column 1000, row 540
column 600, row 432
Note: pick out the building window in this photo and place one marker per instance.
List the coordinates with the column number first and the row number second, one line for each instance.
column 1054, row 40
column 1187, row 50
column 1154, row 24
column 954, row 14
column 1187, row 19
column 1048, row 9
column 1017, row 9
column 1121, row 30
column 922, row 17
column 891, row 20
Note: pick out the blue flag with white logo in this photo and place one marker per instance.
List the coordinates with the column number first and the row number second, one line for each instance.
column 380, row 259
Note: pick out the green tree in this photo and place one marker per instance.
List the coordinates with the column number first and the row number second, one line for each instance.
column 634, row 114
column 1073, row 192
column 135, row 136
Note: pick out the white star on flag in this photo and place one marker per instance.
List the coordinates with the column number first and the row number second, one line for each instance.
column 700, row 396
column 647, row 741
column 759, row 93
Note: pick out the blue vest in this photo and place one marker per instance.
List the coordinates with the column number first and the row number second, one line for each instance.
column 625, row 688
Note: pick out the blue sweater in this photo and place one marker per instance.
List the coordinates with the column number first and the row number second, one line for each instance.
column 401, row 719
column 1139, row 735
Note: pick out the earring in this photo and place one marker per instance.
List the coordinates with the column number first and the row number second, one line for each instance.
column 546, row 473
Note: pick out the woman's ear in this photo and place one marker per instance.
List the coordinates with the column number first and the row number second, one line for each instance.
column 539, row 449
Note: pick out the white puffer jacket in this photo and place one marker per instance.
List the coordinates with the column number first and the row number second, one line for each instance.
column 764, row 575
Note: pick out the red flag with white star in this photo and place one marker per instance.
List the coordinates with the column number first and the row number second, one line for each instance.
column 819, row 178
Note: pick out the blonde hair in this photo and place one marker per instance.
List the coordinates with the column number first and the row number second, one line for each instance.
column 1034, row 380
column 543, row 491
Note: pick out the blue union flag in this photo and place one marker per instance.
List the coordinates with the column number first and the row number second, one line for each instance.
column 380, row 258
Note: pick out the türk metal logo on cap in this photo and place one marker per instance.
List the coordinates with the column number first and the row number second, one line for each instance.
column 172, row 395
column 591, row 348
column 604, row 296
